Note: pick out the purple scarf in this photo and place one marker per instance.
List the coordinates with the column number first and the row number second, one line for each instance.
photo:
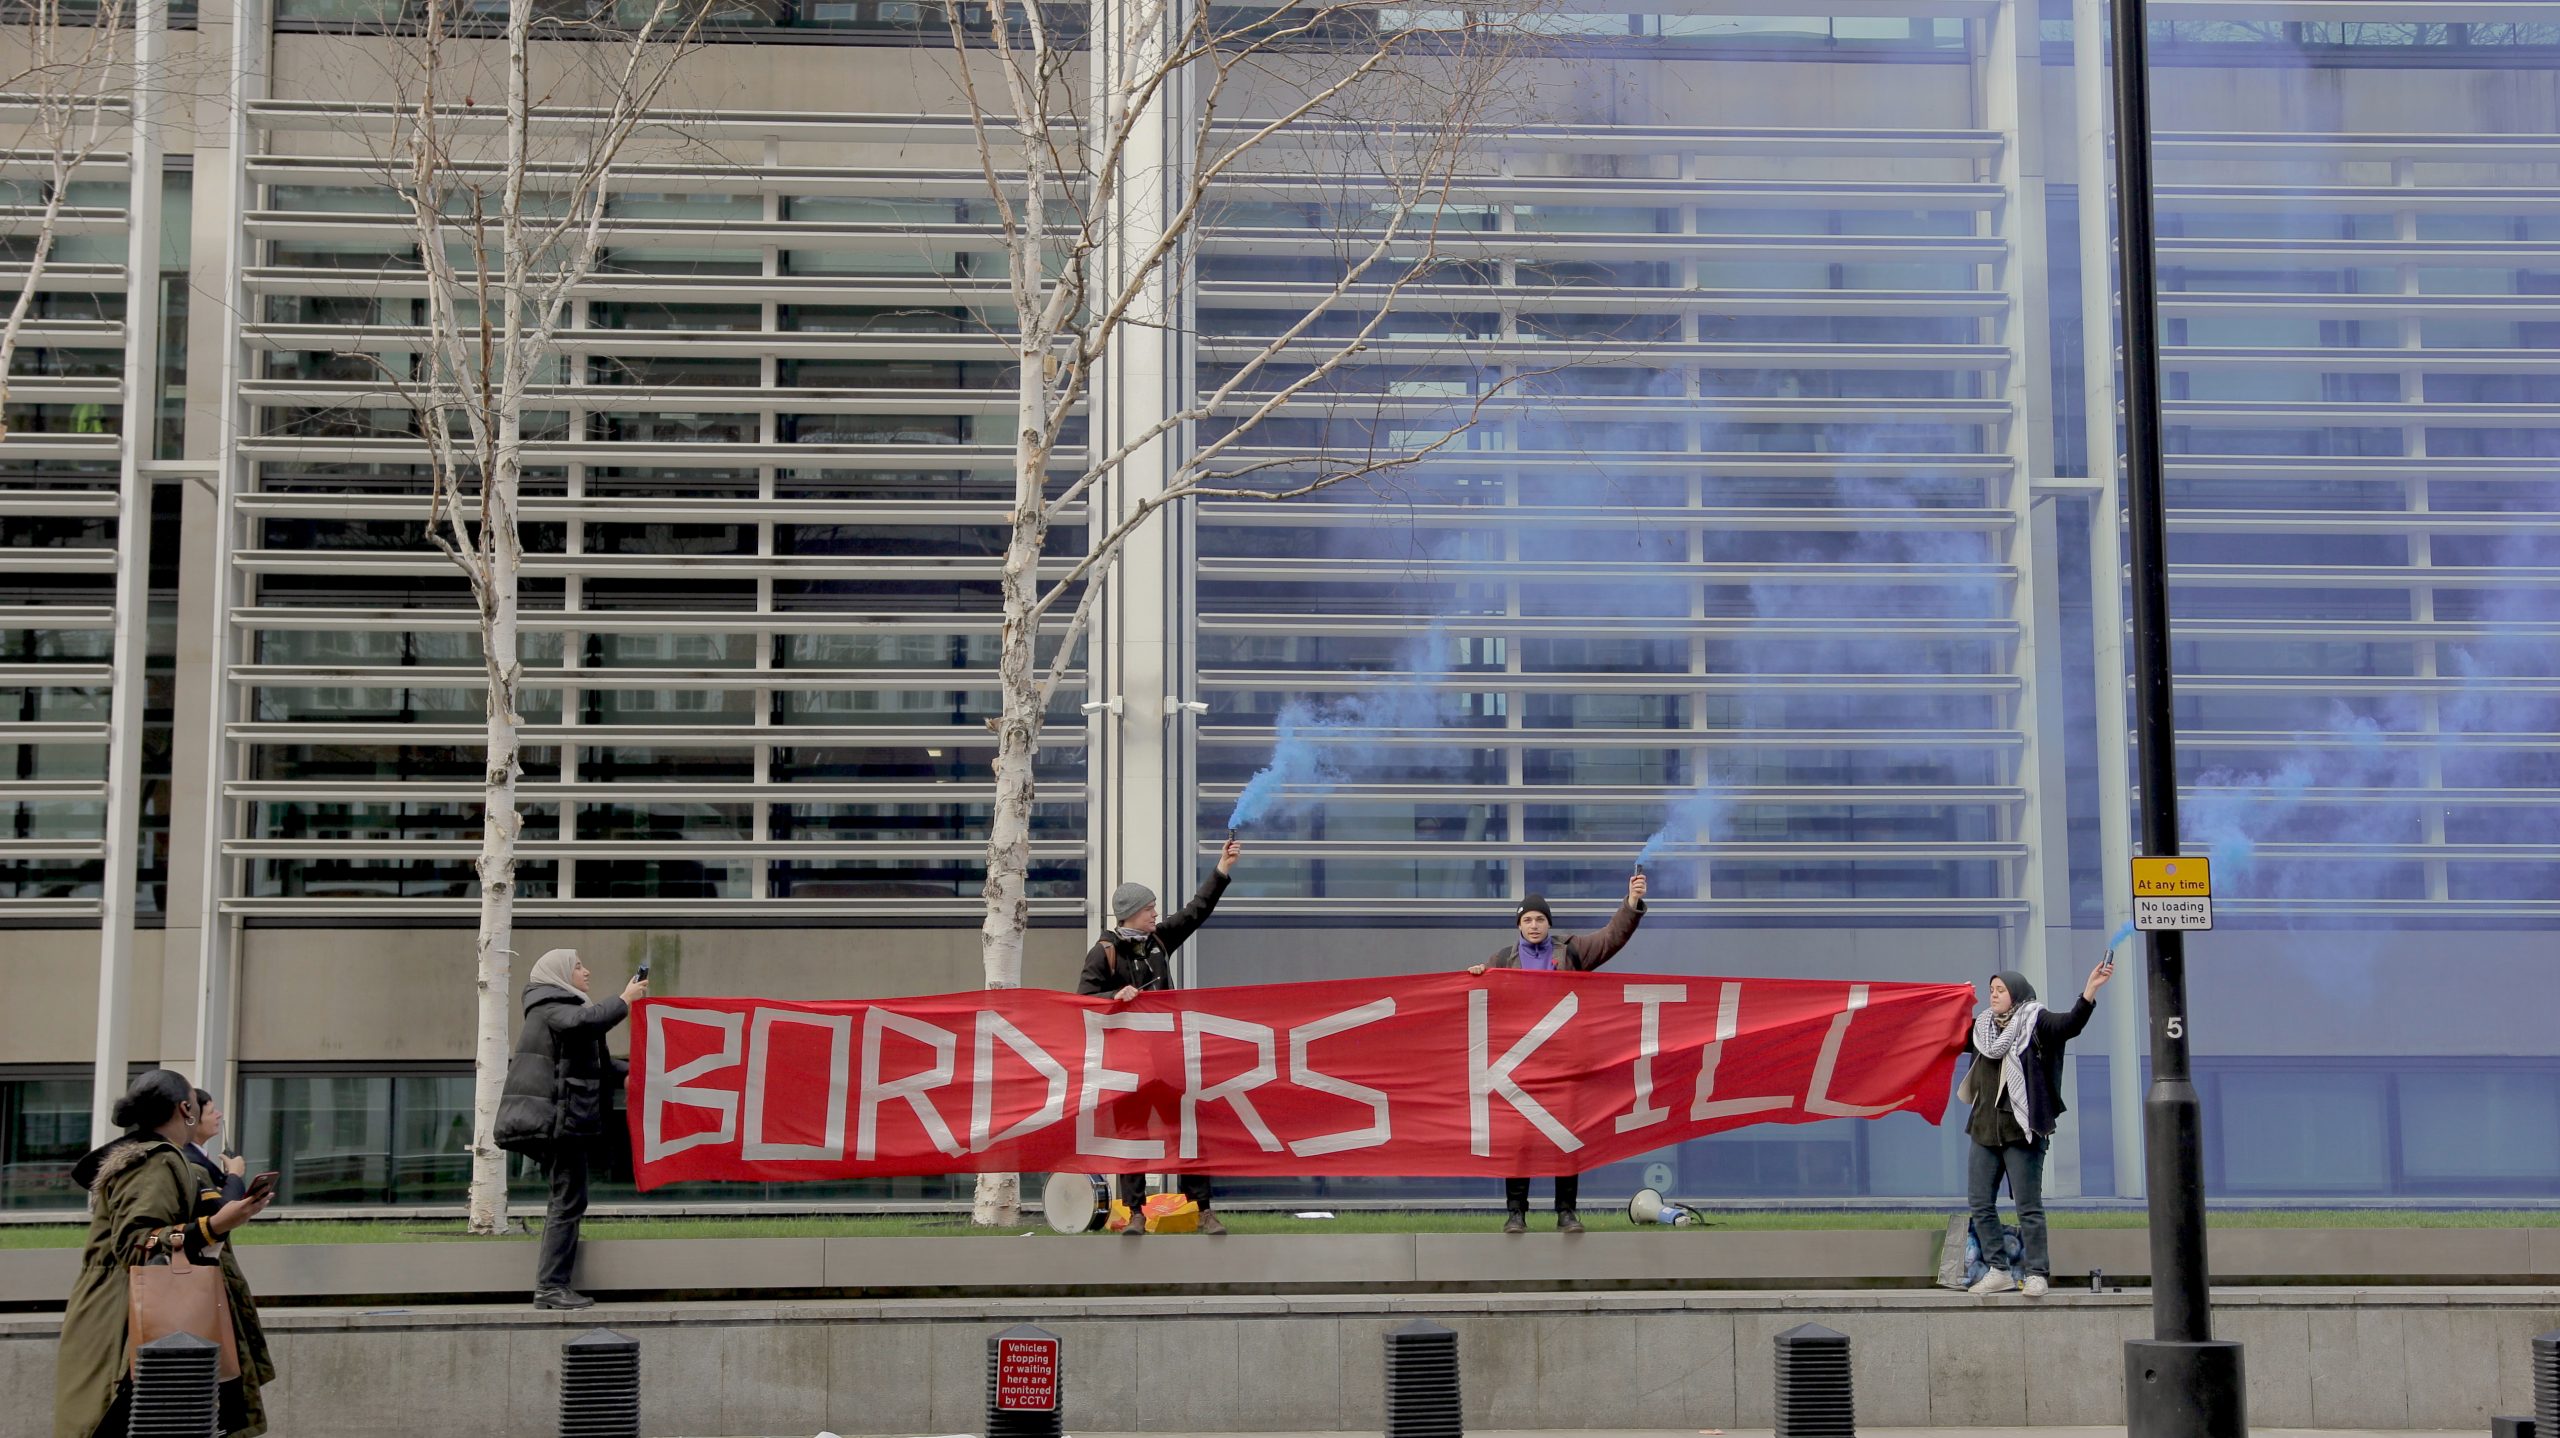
column 1538, row 956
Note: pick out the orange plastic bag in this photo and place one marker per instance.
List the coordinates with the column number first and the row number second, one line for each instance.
column 1165, row 1213
column 1172, row 1213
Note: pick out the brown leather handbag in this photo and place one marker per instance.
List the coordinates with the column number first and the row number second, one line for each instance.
column 179, row 1297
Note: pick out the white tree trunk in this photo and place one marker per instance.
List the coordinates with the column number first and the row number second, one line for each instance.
column 1008, row 890
column 500, row 829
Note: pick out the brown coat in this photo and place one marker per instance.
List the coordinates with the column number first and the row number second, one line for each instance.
column 1584, row 952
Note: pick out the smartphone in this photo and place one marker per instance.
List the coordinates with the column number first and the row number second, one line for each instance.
column 641, row 973
column 263, row 1186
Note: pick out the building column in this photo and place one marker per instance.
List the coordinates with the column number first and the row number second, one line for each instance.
column 2106, row 569
column 191, row 699
column 128, row 694
column 2009, row 103
column 220, row 587
column 1142, row 786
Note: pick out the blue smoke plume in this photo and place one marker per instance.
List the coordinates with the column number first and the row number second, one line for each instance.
column 1693, row 819
column 1317, row 747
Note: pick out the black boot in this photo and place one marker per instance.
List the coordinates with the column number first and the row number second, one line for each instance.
column 1516, row 1221
column 1568, row 1221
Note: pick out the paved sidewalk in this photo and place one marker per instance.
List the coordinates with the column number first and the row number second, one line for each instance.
column 1864, row 1432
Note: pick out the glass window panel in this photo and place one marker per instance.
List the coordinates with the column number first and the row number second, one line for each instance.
column 2476, row 1127
column 2303, row 1132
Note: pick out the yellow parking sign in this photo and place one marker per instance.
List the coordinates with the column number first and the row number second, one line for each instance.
column 2173, row 893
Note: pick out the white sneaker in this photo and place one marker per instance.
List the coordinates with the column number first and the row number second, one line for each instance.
column 1996, row 1281
column 2036, row 1285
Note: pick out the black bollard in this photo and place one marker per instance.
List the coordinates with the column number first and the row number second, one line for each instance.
column 600, row 1386
column 1814, row 1398
column 1422, row 1382
column 1026, row 1384
column 177, row 1388
column 2546, row 1383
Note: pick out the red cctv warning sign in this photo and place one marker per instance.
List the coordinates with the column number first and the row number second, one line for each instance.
column 1026, row 1375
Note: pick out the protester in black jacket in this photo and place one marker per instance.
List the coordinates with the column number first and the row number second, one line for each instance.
column 1135, row 956
column 2016, row 1087
column 559, row 1088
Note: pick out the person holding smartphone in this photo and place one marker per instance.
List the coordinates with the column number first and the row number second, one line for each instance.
column 2015, row 1086
column 558, row 1092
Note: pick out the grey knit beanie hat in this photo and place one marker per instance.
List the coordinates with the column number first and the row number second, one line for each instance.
column 1128, row 899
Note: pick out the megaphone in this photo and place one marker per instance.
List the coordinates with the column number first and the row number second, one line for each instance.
column 1649, row 1206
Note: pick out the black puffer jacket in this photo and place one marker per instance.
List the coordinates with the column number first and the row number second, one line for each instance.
column 560, row 1082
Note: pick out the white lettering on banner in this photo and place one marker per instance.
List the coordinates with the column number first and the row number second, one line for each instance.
column 667, row 1086
column 982, row 1103
column 1234, row 1090
column 1305, row 1075
column 876, row 1023
column 1099, row 1080
column 1818, row 1099
column 1485, row 1080
column 1728, row 1023
column 1649, row 1043
column 830, row 1145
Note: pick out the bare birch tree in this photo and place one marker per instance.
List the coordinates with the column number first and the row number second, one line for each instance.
column 1107, row 156
column 62, row 106
column 506, row 206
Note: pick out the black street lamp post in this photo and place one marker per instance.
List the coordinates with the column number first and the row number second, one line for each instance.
column 2180, row 1382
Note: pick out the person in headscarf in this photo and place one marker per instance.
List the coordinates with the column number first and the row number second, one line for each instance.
column 1135, row 956
column 145, row 1198
column 2016, row 1087
column 558, row 1091
column 1538, row 946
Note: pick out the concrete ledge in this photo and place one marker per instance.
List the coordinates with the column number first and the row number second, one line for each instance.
column 2396, row 1358
column 818, row 1266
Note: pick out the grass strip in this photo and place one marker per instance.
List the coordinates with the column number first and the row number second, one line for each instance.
column 445, row 1230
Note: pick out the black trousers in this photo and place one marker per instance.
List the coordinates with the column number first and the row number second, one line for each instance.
column 1515, row 1193
column 1131, row 1189
column 567, row 1166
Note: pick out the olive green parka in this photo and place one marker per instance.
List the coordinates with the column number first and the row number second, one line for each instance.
column 141, row 1190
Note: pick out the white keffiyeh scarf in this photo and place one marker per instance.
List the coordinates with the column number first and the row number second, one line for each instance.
column 2008, row 1043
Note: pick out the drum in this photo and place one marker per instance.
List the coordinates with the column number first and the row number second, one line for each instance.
column 1076, row 1202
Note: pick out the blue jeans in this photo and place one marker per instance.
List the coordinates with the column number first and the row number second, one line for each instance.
column 2023, row 1165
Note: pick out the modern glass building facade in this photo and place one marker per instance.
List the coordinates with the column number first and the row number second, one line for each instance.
column 1790, row 493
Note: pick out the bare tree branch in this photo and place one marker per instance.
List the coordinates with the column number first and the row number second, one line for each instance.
column 73, row 88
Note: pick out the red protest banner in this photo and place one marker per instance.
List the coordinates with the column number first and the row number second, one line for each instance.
column 1499, row 1074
